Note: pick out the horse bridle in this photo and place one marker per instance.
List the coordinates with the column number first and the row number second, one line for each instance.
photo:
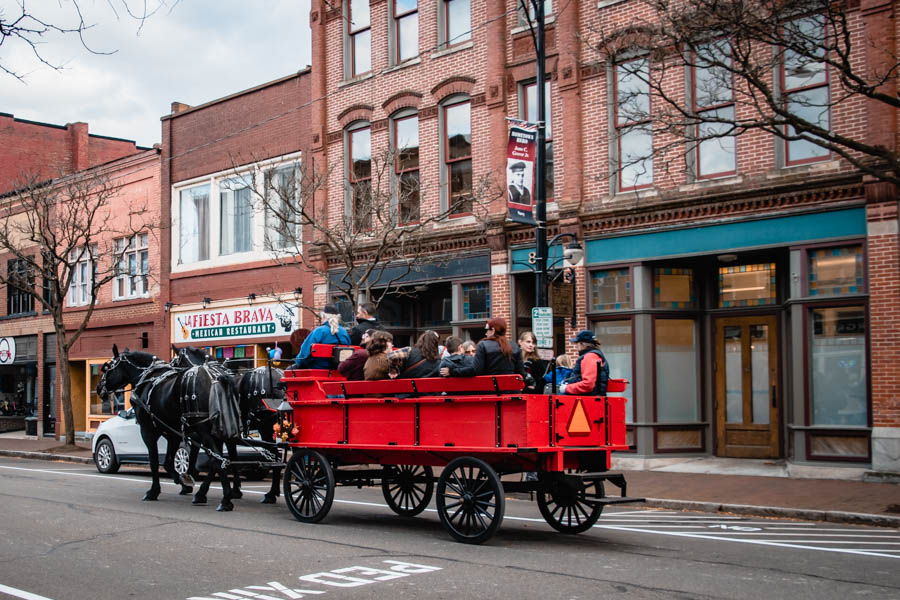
column 120, row 358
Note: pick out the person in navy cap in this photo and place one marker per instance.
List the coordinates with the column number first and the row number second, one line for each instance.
column 518, row 192
column 329, row 332
column 590, row 375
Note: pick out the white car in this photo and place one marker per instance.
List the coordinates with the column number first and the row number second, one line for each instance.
column 118, row 442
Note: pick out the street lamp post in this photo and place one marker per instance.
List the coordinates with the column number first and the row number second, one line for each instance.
column 540, row 200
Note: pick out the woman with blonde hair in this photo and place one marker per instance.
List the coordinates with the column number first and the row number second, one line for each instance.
column 532, row 362
column 329, row 332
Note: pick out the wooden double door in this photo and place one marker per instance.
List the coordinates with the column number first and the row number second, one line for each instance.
column 747, row 386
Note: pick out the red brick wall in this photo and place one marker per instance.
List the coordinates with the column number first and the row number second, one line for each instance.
column 884, row 313
column 268, row 121
column 48, row 151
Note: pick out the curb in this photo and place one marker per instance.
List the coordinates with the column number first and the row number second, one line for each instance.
column 47, row 456
column 806, row 514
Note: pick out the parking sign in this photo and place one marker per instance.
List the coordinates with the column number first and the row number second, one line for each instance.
column 542, row 326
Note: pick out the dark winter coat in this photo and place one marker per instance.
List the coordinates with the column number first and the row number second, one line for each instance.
column 489, row 360
column 352, row 368
column 362, row 326
column 455, row 362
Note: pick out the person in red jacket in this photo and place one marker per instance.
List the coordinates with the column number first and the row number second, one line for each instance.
column 590, row 375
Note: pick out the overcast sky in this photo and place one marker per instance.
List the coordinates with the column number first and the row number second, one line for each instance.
column 198, row 51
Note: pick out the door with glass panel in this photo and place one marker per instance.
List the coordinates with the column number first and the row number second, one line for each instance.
column 747, row 386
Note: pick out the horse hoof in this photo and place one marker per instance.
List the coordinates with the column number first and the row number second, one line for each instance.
column 148, row 497
column 237, row 494
column 268, row 499
column 186, row 491
column 186, row 479
column 223, row 507
column 199, row 500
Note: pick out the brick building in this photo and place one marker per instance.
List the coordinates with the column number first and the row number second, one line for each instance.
column 752, row 303
column 230, row 286
column 46, row 151
column 127, row 310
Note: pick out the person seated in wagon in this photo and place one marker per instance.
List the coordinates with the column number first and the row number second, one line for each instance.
column 590, row 375
column 329, row 332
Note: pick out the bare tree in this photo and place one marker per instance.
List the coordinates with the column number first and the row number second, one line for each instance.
column 65, row 238
column 30, row 25
column 775, row 66
column 368, row 246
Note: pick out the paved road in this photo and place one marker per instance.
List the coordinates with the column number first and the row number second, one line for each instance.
column 71, row 533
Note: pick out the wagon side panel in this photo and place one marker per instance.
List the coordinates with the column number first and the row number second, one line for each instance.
column 381, row 424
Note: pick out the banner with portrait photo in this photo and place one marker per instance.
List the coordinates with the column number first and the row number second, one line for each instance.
column 520, row 153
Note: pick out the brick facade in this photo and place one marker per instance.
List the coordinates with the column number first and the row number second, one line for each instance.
column 29, row 148
column 214, row 141
column 491, row 69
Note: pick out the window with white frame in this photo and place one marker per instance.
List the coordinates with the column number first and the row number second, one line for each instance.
column 359, row 32
column 406, row 27
column 236, row 215
column 406, row 165
column 193, row 224
column 83, row 264
column 458, row 156
column 806, row 89
column 283, row 210
column 714, row 105
column 633, row 125
column 457, row 19
column 530, row 113
column 132, row 267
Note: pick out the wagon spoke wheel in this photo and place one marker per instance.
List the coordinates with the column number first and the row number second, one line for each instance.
column 407, row 489
column 470, row 500
column 564, row 505
column 308, row 486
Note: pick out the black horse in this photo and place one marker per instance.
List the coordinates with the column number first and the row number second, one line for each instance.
column 260, row 392
column 168, row 400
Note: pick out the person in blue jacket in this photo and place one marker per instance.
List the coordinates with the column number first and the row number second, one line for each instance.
column 329, row 332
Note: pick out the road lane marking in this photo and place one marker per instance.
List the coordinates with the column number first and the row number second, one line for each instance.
column 707, row 536
column 636, row 528
column 11, row 591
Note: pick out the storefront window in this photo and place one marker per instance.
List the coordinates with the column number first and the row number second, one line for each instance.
column 611, row 290
column 838, row 366
column 476, row 300
column 676, row 372
column 747, row 285
column 616, row 345
column 111, row 404
column 673, row 288
column 835, row 271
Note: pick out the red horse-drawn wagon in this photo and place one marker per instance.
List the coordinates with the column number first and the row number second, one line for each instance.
column 478, row 429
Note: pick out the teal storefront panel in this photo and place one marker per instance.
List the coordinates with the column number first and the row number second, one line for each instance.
column 778, row 231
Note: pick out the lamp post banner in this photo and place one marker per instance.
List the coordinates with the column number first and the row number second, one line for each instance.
column 520, row 153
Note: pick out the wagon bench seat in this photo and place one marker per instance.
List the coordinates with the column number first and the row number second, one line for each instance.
column 487, row 384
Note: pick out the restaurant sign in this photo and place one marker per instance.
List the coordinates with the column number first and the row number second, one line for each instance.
column 274, row 319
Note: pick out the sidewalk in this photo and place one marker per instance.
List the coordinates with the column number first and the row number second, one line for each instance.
column 708, row 484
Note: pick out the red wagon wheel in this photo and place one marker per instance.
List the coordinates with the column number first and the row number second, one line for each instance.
column 308, row 486
column 565, row 507
column 470, row 500
column 407, row 489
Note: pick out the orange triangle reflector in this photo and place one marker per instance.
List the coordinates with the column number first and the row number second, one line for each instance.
column 578, row 422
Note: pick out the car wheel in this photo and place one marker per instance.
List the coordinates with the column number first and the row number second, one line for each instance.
column 105, row 457
column 182, row 459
